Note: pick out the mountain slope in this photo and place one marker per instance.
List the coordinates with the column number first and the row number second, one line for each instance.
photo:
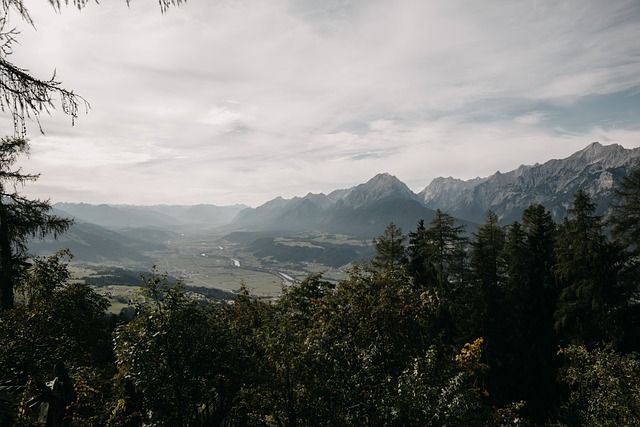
column 597, row 169
column 381, row 186
column 363, row 210
column 94, row 244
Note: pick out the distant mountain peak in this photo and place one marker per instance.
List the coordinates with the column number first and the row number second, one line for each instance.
column 383, row 176
column 384, row 180
column 444, row 191
column 609, row 155
column 596, row 168
column 381, row 186
column 596, row 149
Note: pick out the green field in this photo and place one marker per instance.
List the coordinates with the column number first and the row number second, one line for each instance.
column 206, row 259
column 120, row 296
column 203, row 259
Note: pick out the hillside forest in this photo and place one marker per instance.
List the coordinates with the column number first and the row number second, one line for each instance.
column 535, row 323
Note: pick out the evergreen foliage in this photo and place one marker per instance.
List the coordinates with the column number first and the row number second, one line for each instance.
column 625, row 218
column 487, row 267
column 530, row 302
column 587, row 268
column 458, row 333
column 390, row 249
column 20, row 219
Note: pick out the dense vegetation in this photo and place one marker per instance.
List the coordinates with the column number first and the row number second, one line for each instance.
column 533, row 324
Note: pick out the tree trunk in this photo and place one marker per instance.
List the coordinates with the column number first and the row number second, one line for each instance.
column 6, row 261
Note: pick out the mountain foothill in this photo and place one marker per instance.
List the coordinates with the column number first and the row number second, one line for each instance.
column 128, row 231
column 490, row 313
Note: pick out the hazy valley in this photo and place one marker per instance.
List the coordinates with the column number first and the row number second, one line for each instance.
column 282, row 240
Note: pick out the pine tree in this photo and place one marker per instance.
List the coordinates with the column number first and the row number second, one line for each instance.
column 391, row 252
column 487, row 265
column 587, row 269
column 625, row 217
column 20, row 219
column 420, row 253
column 487, row 277
column 515, row 255
column 625, row 222
column 528, row 362
column 448, row 251
column 446, row 247
column 539, row 344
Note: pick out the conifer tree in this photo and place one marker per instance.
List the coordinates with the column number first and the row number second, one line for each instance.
column 391, row 252
column 625, row 217
column 487, row 265
column 525, row 364
column 625, row 222
column 587, row 269
column 448, row 250
column 486, row 291
column 535, row 339
column 20, row 218
column 515, row 258
column 419, row 255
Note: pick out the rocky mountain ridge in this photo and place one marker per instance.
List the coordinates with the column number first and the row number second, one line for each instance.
column 361, row 211
column 366, row 209
column 596, row 169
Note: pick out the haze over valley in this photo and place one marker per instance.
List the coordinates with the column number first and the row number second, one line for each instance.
column 285, row 240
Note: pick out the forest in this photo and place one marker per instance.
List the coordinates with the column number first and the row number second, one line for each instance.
column 532, row 324
column 535, row 323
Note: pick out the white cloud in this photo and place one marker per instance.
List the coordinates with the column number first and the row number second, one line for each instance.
column 223, row 116
column 240, row 101
column 532, row 118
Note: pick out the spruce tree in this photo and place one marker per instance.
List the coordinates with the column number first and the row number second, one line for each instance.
column 20, row 219
column 625, row 222
column 391, row 252
column 625, row 217
column 448, row 251
column 446, row 247
column 487, row 266
column 420, row 255
column 587, row 269
column 486, row 291
column 526, row 365
column 537, row 341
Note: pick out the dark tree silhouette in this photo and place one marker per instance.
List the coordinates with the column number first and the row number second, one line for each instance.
column 20, row 218
column 391, row 252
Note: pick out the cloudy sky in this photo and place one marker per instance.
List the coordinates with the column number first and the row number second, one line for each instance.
column 240, row 101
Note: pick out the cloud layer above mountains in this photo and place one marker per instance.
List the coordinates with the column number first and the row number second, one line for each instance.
column 239, row 101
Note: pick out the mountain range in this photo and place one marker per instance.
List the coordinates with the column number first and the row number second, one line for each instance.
column 363, row 210
column 596, row 169
column 366, row 209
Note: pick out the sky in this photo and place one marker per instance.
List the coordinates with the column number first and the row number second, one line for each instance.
column 241, row 101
